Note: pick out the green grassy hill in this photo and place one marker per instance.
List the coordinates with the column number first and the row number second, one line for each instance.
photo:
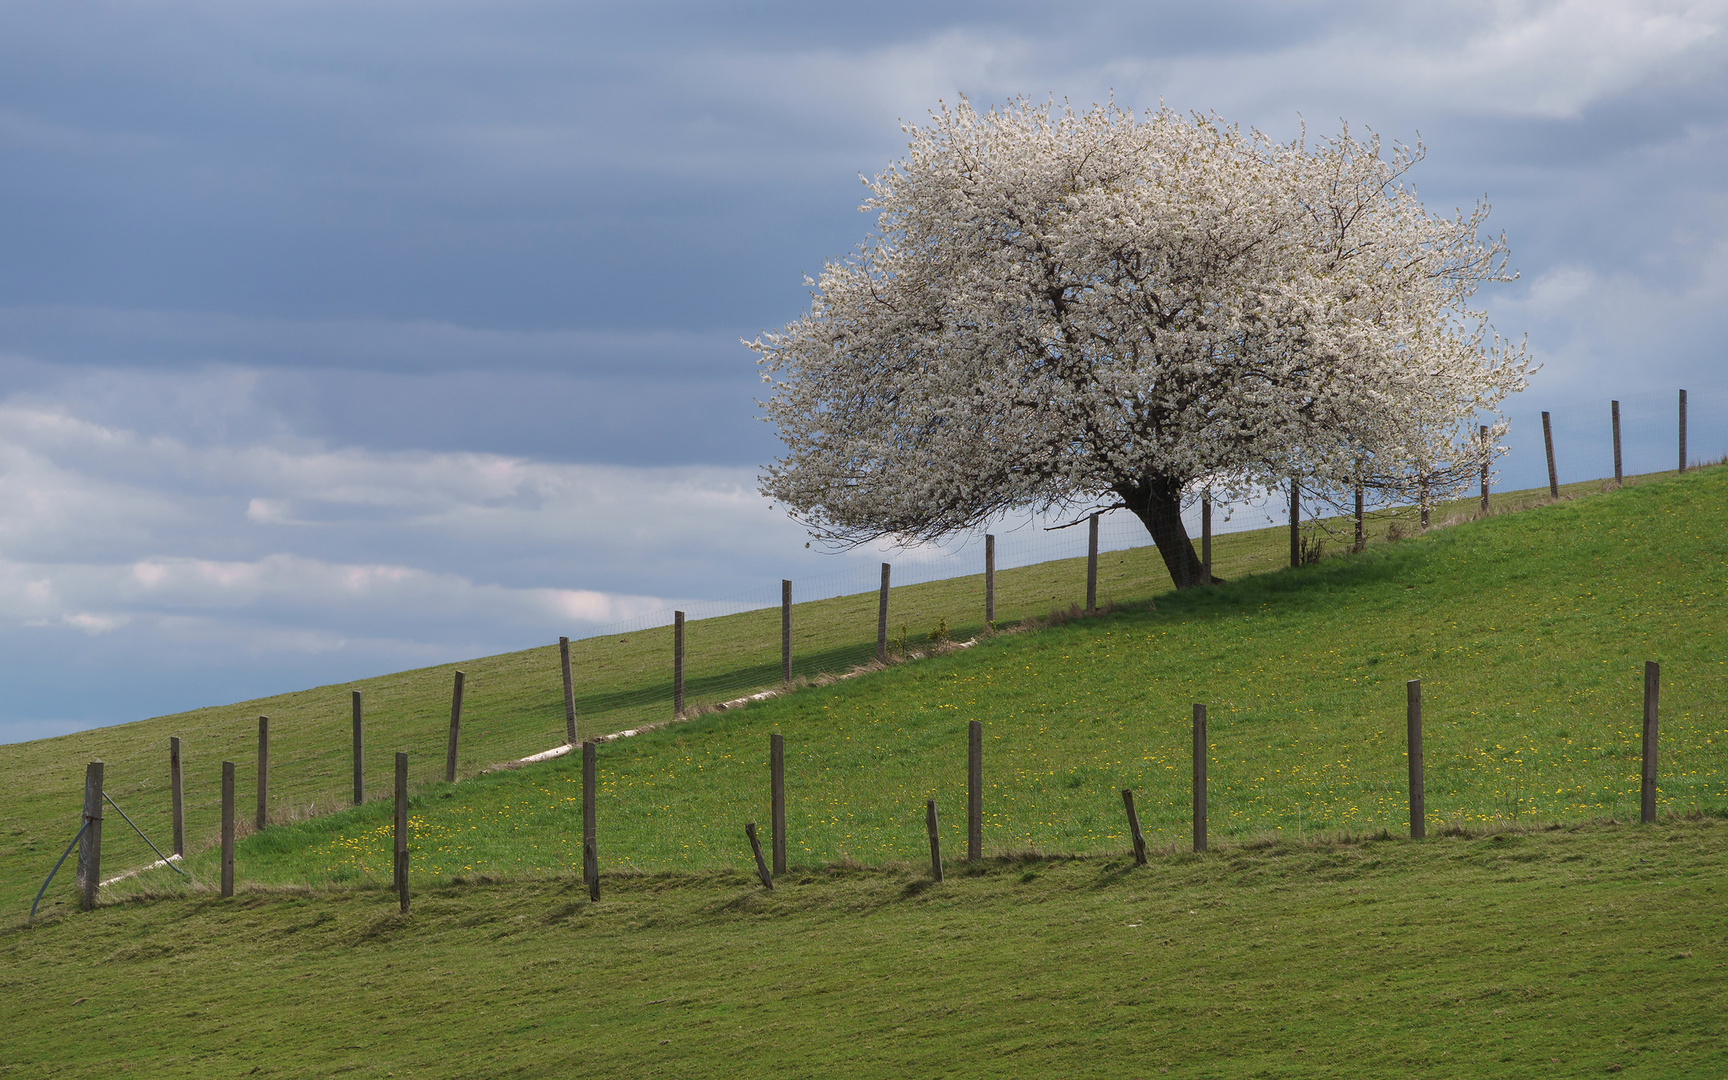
column 1534, row 934
column 1528, row 629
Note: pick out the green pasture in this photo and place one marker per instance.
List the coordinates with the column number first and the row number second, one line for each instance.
column 1585, row 951
column 1528, row 630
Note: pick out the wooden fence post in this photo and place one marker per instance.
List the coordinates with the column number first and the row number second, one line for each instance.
column 777, row 798
column 1487, row 454
column 358, row 708
column 569, row 692
column 935, row 839
column 1206, row 539
column 989, row 580
column 177, row 796
column 1134, row 828
column 1199, row 777
column 90, row 843
column 882, row 618
column 263, row 772
column 455, row 730
column 756, row 849
column 1413, row 748
column 1682, row 431
column 401, row 860
column 1092, row 565
column 1614, row 414
column 677, row 664
column 227, row 828
column 1548, row 445
column 974, row 791
column 590, row 840
column 786, row 631
column 1647, row 792
column 1295, row 522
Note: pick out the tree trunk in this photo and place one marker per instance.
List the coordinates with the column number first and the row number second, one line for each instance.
column 1157, row 501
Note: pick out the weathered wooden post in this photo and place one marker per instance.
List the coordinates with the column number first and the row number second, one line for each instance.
column 263, row 772
column 1548, row 445
column 935, row 839
column 177, row 796
column 785, row 631
column 401, row 860
column 590, row 841
column 882, row 618
column 1682, row 431
column 1206, row 539
column 227, row 828
column 569, row 692
column 1647, row 793
column 90, row 842
column 974, row 791
column 777, row 798
column 358, row 709
column 989, row 580
column 1199, row 777
column 1487, row 456
column 756, row 849
column 1413, row 748
column 1092, row 565
column 1614, row 413
column 677, row 664
column 1295, row 522
column 1134, row 828
column 455, row 729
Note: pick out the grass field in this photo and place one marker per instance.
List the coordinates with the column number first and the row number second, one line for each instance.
column 1529, row 631
column 1534, row 933
column 1553, row 953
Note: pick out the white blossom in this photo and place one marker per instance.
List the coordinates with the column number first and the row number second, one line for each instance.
column 1060, row 307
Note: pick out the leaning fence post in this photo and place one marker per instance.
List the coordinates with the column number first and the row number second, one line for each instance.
column 1647, row 792
column 777, row 798
column 1199, row 777
column 1206, row 539
column 177, row 796
column 1413, row 747
column 1295, row 522
column 677, row 664
column 1614, row 415
column 785, row 631
column 227, row 828
column 1548, row 445
column 882, row 618
column 989, row 580
column 756, row 849
column 1682, row 431
column 263, row 771
column 974, row 791
column 1092, row 565
column 590, row 845
column 935, row 839
column 1487, row 456
column 455, row 730
column 1134, row 828
column 90, row 842
column 569, row 692
column 359, row 748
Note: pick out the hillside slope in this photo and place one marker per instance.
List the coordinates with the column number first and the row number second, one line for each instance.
column 1529, row 632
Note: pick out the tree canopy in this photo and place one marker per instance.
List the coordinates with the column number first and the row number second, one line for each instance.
column 1062, row 308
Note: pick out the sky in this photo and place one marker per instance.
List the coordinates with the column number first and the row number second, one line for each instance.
column 342, row 338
